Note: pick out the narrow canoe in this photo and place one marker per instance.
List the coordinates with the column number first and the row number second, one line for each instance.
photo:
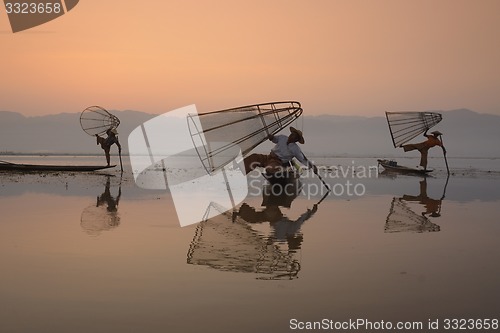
column 394, row 167
column 40, row 167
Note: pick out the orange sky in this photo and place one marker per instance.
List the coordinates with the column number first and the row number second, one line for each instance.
column 335, row 57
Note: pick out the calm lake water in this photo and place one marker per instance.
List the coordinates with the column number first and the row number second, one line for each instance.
column 95, row 253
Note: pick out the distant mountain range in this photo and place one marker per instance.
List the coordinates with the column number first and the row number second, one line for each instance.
column 466, row 134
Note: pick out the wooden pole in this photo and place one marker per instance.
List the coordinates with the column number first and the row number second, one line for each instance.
column 444, row 153
column 315, row 169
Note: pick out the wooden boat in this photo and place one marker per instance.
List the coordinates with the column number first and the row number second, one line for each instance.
column 281, row 188
column 286, row 176
column 393, row 166
column 6, row 166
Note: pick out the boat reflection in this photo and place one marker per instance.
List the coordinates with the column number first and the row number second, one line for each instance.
column 228, row 242
column 103, row 215
column 403, row 218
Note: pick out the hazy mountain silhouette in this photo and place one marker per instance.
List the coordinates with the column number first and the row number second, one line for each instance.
column 466, row 134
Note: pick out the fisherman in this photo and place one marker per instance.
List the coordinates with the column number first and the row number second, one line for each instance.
column 423, row 147
column 285, row 149
column 107, row 142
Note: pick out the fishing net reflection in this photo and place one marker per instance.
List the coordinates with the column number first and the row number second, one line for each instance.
column 402, row 219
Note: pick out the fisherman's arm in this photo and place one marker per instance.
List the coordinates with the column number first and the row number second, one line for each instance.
column 315, row 168
column 297, row 153
column 309, row 164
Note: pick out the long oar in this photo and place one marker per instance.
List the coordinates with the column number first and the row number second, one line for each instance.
column 315, row 169
column 444, row 154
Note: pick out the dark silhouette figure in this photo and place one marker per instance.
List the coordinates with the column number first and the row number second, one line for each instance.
column 107, row 142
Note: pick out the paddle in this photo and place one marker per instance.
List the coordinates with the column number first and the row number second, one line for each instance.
column 315, row 169
column 444, row 153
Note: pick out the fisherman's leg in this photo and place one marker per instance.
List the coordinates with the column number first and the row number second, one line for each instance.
column 423, row 158
column 100, row 140
column 254, row 161
column 108, row 158
column 409, row 147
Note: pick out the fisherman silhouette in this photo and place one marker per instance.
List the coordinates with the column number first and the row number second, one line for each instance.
column 284, row 151
column 423, row 147
column 107, row 142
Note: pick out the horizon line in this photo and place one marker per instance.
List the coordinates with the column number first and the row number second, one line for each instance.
column 303, row 115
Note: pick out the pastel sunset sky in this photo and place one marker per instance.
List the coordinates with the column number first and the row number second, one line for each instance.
column 335, row 57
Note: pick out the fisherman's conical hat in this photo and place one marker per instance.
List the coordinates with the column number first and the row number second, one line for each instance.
column 437, row 133
column 301, row 137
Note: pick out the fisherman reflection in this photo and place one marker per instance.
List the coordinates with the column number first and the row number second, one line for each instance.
column 432, row 206
column 104, row 214
column 402, row 218
column 228, row 242
column 107, row 199
column 283, row 228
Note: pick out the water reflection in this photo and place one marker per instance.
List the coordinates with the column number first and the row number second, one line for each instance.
column 403, row 218
column 228, row 242
column 102, row 216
